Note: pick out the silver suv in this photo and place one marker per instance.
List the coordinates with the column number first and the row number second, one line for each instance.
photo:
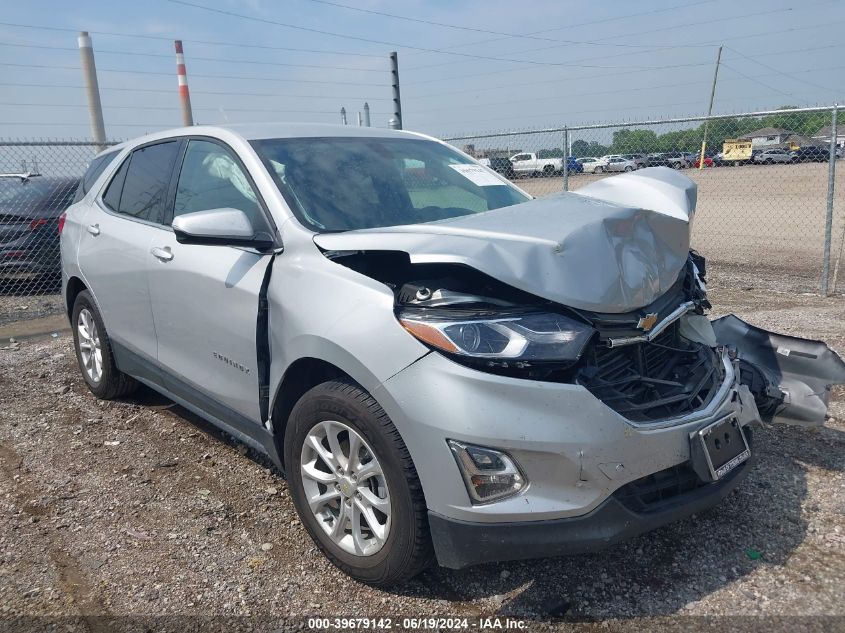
column 443, row 367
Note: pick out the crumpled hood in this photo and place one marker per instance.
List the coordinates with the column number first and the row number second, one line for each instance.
column 615, row 246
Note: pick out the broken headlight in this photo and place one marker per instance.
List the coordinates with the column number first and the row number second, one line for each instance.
column 528, row 336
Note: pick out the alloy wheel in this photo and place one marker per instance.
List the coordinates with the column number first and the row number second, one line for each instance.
column 89, row 345
column 345, row 488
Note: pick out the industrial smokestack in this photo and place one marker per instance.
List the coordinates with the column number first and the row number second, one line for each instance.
column 92, row 89
column 182, row 78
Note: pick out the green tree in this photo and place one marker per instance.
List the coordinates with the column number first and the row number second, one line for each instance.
column 629, row 140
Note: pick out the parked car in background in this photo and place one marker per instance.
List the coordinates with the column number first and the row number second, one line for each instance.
column 641, row 160
column 501, row 165
column 710, row 159
column 527, row 164
column 573, row 166
column 675, row 160
column 772, row 155
column 620, row 163
column 30, row 211
column 458, row 390
column 811, row 154
column 591, row 164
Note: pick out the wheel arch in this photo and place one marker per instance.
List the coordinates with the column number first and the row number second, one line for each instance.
column 74, row 286
column 301, row 375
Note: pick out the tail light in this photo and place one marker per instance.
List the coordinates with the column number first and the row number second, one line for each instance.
column 62, row 222
column 36, row 223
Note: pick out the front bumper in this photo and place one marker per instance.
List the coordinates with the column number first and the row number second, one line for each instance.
column 460, row 544
column 575, row 451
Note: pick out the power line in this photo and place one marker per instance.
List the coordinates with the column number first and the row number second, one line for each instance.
column 205, row 42
column 599, row 21
column 592, row 111
column 783, row 72
column 196, row 58
column 383, row 42
column 197, row 92
column 530, row 36
column 726, row 39
column 194, row 75
column 175, row 108
column 757, row 81
column 559, row 79
column 614, row 91
column 632, row 34
column 532, row 83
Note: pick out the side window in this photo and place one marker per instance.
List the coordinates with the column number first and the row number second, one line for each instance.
column 145, row 190
column 211, row 178
column 97, row 167
column 112, row 195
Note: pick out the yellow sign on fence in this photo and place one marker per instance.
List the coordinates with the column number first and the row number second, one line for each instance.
column 734, row 149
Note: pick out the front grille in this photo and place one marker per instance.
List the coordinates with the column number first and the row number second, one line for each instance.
column 656, row 491
column 664, row 378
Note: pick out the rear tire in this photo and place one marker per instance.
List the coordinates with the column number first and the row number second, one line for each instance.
column 598, row 170
column 94, row 352
column 398, row 546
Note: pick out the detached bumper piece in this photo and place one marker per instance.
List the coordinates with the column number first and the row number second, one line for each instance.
column 640, row 506
column 790, row 377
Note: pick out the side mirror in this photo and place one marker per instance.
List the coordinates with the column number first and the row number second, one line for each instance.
column 219, row 227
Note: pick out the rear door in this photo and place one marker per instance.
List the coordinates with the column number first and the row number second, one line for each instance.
column 114, row 248
column 205, row 298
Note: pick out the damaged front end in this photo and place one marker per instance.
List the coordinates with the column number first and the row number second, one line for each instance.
column 584, row 290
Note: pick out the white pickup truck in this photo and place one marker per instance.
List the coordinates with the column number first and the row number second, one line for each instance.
column 528, row 163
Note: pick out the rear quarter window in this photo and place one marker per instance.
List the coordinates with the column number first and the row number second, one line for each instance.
column 97, row 167
column 139, row 188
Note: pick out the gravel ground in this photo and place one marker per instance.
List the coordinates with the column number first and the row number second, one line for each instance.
column 138, row 508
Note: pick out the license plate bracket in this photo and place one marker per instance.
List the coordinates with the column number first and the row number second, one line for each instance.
column 718, row 448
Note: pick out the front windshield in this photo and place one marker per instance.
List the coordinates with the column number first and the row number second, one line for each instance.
column 341, row 184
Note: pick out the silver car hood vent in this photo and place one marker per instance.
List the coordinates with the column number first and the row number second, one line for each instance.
column 615, row 246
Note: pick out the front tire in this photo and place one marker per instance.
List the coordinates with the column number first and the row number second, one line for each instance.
column 94, row 352
column 629, row 168
column 355, row 487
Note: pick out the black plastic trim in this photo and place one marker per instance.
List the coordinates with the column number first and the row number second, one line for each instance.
column 149, row 372
column 459, row 544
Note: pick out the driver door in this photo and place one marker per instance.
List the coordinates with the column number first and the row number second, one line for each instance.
column 205, row 298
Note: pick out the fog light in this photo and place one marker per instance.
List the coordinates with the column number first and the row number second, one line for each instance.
column 489, row 474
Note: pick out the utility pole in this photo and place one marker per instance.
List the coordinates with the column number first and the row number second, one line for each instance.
column 182, row 79
column 366, row 114
column 92, row 88
column 710, row 109
column 394, row 82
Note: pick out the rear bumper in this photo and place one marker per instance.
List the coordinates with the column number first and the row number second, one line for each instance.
column 460, row 544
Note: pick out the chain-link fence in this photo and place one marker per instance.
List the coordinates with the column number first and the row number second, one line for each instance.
column 770, row 213
column 38, row 181
column 766, row 203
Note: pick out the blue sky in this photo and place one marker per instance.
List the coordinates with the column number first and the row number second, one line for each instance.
column 585, row 62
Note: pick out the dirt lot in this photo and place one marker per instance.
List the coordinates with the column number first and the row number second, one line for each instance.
column 771, row 216
column 137, row 508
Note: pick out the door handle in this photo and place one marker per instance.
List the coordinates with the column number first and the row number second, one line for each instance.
column 94, row 229
column 164, row 254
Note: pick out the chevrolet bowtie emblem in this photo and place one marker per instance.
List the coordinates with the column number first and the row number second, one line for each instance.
column 647, row 322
